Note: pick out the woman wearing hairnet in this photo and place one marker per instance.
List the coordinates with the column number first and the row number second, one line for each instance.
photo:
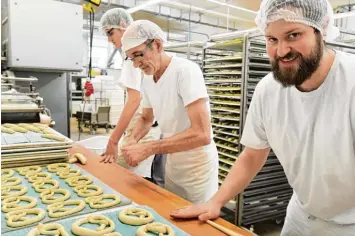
column 114, row 22
column 175, row 94
column 305, row 112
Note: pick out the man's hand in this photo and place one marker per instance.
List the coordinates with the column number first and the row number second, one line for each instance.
column 204, row 211
column 110, row 154
column 135, row 154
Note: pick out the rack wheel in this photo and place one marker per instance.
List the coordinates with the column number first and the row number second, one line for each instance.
column 92, row 131
column 80, row 130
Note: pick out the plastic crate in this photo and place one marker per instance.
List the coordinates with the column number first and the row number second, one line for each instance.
column 97, row 144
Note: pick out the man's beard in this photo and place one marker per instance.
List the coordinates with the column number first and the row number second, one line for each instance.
column 290, row 76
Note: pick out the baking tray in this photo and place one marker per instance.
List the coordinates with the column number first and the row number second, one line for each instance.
column 37, row 141
column 126, row 230
column 35, row 149
column 29, row 163
column 32, row 193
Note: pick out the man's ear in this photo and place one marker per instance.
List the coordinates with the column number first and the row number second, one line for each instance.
column 159, row 45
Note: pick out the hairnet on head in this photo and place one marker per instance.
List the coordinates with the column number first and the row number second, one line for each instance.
column 116, row 18
column 315, row 13
column 139, row 32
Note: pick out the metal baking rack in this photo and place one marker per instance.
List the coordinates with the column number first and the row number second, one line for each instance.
column 189, row 50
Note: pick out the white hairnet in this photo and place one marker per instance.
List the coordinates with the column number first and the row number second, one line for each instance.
column 116, row 18
column 139, row 32
column 315, row 13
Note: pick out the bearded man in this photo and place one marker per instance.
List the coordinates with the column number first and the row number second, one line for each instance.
column 305, row 111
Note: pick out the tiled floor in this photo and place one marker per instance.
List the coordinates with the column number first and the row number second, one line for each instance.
column 263, row 229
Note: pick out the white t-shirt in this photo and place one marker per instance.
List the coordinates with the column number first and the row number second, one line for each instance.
column 313, row 136
column 181, row 84
column 130, row 77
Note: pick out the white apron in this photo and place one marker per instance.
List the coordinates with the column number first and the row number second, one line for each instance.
column 193, row 175
column 144, row 168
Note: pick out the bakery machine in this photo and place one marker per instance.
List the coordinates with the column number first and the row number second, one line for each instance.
column 22, row 104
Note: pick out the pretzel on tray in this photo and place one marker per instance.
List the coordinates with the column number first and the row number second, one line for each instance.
column 107, row 226
column 58, row 209
column 98, row 202
column 54, row 229
column 19, row 219
column 88, row 190
column 47, row 196
column 39, row 186
column 135, row 216
column 156, row 228
column 13, row 203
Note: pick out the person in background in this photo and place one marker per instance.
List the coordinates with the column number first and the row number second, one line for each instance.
column 305, row 111
column 175, row 94
column 114, row 22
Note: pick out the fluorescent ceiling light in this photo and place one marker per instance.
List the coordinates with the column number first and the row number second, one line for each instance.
column 144, row 5
column 232, row 6
column 345, row 14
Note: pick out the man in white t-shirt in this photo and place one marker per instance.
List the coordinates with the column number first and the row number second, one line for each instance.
column 175, row 94
column 114, row 22
column 305, row 112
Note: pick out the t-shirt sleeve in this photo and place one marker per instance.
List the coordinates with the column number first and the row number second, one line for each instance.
column 191, row 84
column 146, row 102
column 254, row 134
column 130, row 77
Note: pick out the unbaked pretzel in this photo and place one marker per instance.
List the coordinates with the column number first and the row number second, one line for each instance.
column 40, row 176
column 98, row 202
column 18, row 219
column 28, row 169
column 6, row 191
column 7, row 173
column 12, row 181
column 135, row 216
column 12, row 203
column 68, row 173
column 54, row 229
column 156, row 228
column 47, row 196
column 107, row 226
column 84, row 190
column 57, row 167
column 79, row 180
column 58, row 209
column 39, row 186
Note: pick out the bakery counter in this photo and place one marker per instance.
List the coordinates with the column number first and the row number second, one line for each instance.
column 146, row 193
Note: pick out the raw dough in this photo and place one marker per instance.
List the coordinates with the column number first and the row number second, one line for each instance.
column 30, row 128
column 12, row 203
column 72, row 160
column 28, row 169
column 54, row 229
column 39, row 186
column 13, row 181
column 40, row 126
column 7, row 173
column 53, row 137
column 6, row 191
column 40, row 176
column 98, row 202
column 7, row 130
column 84, row 190
column 68, row 173
column 156, row 228
column 79, row 180
column 135, row 216
column 79, row 157
column 9, row 125
column 47, row 131
column 47, row 196
column 106, row 226
column 19, row 129
column 18, row 219
column 58, row 209
column 58, row 167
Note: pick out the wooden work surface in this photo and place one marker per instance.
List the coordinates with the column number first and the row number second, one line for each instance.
column 146, row 193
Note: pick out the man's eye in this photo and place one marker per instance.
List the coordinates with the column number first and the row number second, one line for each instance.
column 294, row 35
column 272, row 40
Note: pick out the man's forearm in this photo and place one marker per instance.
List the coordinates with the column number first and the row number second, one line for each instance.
column 127, row 114
column 243, row 172
column 141, row 128
column 184, row 141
